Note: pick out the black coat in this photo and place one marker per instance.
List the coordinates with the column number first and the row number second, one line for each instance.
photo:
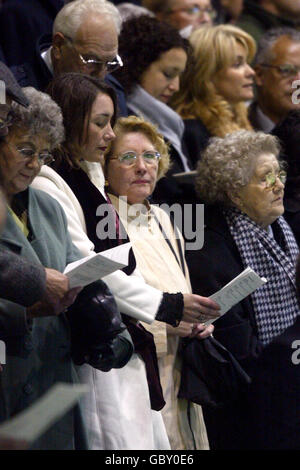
column 273, row 403
column 21, row 281
column 211, row 267
column 195, row 138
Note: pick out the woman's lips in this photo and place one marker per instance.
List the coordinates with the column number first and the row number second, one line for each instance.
column 140, row 182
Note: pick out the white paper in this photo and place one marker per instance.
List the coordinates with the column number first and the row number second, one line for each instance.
column 45, row 411
column 236, row 290
column 97, row 265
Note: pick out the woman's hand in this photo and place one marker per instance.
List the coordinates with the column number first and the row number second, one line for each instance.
column 40, row 309
column 201, row 331
column 190, row 330
column 198, row 309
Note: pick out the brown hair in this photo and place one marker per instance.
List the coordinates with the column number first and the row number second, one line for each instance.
column 75, row 93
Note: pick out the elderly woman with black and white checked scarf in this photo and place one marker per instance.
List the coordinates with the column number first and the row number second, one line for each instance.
column 241, row 181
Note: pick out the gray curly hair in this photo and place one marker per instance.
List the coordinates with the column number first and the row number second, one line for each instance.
column 228, row 163
column 42, row 115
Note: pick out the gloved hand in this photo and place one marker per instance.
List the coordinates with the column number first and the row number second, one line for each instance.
column 96, row 325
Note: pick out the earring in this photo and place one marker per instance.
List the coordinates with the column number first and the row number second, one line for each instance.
column 106, row 184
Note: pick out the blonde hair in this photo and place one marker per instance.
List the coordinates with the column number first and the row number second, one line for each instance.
column 213, row 50
column 128, row 124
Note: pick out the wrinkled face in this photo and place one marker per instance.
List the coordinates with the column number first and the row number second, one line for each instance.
column 17, row 171
column 261, row 203
column 183, row 13
column 235, row 83
column 137, row 182
column 99, row 132
column 274, row 88
column 162, row 78
column 96, row 38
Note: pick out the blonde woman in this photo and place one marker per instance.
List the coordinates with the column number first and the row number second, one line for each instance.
column 215, row 85
column 135, row 160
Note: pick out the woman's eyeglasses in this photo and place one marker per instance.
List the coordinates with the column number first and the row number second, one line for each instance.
column 27, row 153
column 130, row 158
column 270, row 179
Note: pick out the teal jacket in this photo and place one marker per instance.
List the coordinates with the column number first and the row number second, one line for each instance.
column 38, row 353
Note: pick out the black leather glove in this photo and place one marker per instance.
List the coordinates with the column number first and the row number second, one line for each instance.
column 96, row 325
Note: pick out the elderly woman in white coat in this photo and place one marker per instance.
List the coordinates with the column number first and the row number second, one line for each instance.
column 118, row 411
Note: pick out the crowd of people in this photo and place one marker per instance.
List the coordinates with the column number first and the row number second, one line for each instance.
column 120, row 122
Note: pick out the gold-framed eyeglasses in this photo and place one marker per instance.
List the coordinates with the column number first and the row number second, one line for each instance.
column 285, row 70
column 270, row 179
column 97, row 64
column 196, row 11
column 149, row 157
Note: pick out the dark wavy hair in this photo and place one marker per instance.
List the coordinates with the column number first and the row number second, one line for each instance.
column 142, row 40
column 75, row 93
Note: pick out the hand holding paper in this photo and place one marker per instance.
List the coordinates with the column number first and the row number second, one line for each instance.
column 236, row 290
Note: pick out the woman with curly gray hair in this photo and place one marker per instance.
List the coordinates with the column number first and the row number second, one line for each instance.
column 242, row 182
column 38, row 341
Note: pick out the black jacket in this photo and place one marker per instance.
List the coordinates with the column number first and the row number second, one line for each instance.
column 213, row 266
column 273, row 403
column 195, row 138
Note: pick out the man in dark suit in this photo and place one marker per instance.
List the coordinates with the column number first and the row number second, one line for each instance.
column 84, row 40
column 21, row 281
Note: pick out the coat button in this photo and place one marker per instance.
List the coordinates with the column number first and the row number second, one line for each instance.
column 28, row 389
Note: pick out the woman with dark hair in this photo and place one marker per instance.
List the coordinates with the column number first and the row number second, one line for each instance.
column 150, row 76
column 122, row 407
column 288, row 132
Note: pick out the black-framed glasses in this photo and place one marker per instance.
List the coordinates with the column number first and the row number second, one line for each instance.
column 97, row 64
column 130, row 158
column 196, row 10
column 270, row 179
column 285, row 70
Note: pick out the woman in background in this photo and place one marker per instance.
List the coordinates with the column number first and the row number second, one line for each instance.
column 150, row 76
column 215, row 86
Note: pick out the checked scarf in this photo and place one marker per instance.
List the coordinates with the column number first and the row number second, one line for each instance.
column 275, row 303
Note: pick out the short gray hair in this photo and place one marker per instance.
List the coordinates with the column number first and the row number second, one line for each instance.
column 228, row 164
column 267, row 41
column 42, row 115
column 70, row 17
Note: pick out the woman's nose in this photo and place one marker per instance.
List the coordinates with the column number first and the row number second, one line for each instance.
column 140, row 164
column 109, row 134
column 249, row 71
column 175, row 83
